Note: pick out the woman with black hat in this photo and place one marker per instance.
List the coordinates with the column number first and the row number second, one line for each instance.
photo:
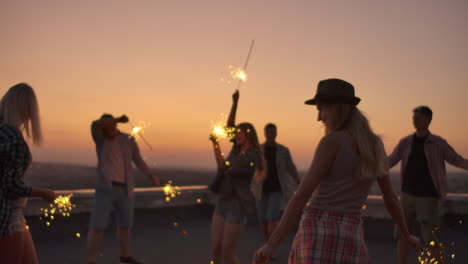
column 348, row 159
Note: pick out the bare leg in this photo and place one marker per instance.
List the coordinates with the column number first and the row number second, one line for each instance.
column 231, row 237
column 217, row 228
column 94, row 241
column 124, row 239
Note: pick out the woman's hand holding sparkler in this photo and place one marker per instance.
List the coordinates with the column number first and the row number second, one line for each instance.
column 46, row 194
column 213, row 138
column 49, row 196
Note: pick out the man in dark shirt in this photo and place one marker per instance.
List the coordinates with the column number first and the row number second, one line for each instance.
column 423, row 180
column 279, row 184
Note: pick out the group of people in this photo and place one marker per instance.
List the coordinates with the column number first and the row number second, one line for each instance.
column 254, row 179
column 329, row 199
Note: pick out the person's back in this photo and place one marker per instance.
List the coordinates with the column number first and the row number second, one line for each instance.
column 342, row 190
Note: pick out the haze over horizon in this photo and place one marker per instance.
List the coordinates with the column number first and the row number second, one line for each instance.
column 162, row 63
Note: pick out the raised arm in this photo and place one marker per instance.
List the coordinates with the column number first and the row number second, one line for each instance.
column 231, row 122
column 98, row 126
column 321, row 164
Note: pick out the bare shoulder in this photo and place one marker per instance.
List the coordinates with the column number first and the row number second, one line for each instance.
column 330, row 142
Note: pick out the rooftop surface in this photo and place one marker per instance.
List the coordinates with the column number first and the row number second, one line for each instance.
column 175, row 235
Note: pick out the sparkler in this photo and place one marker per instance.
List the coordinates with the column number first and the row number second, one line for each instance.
column 219, row 129
column 61, row 205
column 242, row 76
column 138, row 130
column 238, row 72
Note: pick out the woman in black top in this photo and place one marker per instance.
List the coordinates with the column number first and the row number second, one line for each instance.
column 235, row 201
column 19, row 113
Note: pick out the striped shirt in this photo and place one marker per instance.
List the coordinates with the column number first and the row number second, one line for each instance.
column 15, row 158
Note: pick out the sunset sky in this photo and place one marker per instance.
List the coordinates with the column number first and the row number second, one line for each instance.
column 162, row 62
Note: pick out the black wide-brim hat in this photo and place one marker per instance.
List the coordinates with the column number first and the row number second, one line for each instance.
column 334, row 91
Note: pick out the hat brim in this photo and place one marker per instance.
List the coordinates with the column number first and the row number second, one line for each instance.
column 333, row 100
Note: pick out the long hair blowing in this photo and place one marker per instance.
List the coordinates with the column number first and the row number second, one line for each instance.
column 19, row 109
column 254, row 143
column 373, row 160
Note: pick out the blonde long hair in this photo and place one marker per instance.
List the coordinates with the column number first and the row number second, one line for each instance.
column 19, row 109
column 370, row 147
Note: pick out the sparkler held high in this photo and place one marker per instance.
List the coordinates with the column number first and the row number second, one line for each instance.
column 240, row 74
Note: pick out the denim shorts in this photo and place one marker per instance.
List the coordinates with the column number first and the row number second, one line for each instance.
column 232, row 211
column 269, row 207
column 108, row 200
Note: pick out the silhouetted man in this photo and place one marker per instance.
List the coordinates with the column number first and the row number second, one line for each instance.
column 423, row 179
column 115, row 182
column 280, row 183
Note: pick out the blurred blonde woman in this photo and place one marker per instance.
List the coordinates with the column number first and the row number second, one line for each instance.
column 19, row 113
column 348, row 159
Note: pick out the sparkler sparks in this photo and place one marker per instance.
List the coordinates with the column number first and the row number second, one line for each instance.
column 238, row 73
column 171, row 191
column 139, row 130
column 62, row 205
column 219, row 129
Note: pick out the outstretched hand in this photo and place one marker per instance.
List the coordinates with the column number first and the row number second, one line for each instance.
column 49, row 196
column 235, row 96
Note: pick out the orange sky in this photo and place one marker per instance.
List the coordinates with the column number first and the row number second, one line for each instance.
column 162, row 63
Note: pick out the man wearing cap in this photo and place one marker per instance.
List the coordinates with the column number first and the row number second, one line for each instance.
column 423, row 179
column 115, row 181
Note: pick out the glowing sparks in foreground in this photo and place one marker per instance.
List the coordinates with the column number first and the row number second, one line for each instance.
column 171, row 191
column 62, row 205
column 219, row 129
column 78, row 235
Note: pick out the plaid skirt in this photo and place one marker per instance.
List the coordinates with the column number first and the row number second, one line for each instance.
column 328, row 237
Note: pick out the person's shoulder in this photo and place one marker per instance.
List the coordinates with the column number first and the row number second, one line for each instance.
column 333, row 139
column 281, row 147
column 406, row 138
column 437, row 139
